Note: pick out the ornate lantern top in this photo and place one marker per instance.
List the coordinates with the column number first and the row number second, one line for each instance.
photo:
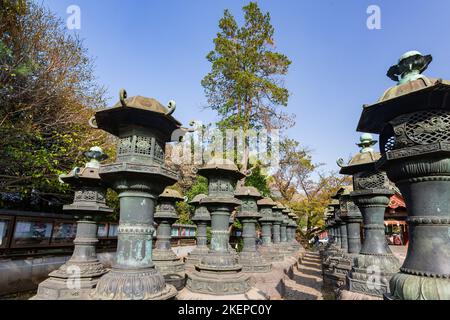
column 266, row 202
column 137, row 111
column 248, row 196
column 165, row 210
column 196, row 200
column 247, row 192
column 221, row 166
column 414, row 92
column 171, row 194
column 360, row 161
column 201, row 212
column 90, row 192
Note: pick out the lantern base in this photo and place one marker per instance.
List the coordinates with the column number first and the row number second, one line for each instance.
column 405, row 286
column 196, row 255
column 218, row 283
column 72, row 281
column 270, row 254
column 252, row 261
column 172, row 269
column 123, row 284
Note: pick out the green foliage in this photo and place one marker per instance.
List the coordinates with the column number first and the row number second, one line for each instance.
column 184, row 212
column 47, row 93
column 243, row 85
column 258, row 180
column 112, row 200
column 199, row 186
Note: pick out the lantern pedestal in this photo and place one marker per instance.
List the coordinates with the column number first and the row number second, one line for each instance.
column 76, row 278
column 202, row 218
column 375, row 264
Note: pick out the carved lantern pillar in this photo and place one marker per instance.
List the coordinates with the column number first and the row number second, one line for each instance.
column 413, row 120
column 334, row 251
column 142, row 126
column 267, row 249
column 292, row 227
column 375, row 264
column 165, row 260
column 79, row 275
column 250, row 259
column 219, row 274
column 340, row 262
column 202, row 218
column 329, row 228
column 277, row 216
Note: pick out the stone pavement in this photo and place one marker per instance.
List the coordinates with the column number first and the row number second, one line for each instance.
column 306, row 281
column 399, row 252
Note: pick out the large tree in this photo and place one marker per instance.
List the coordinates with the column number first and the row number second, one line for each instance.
column 304, row 187
column 245, row 84
column 47, row 94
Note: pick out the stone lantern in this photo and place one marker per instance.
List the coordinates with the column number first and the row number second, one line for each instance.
column 334, row 251
column 219, row 275
column 375, row 264
column 350, row 236
column 165, row 260
column 267, row 249
column 230, row 226
column 202, row 218
column 276, row 227
column 328, row 216
column 293, row 230
column 250, row 259
column 413, row 120
column 79, row 275
column 330, row 230
column 283, row 229
column 339, row 263
column 142, row 126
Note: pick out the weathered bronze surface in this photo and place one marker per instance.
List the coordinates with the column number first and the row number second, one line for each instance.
column 267, row 249
column 165, row 260
column 412, row 119
column 202, row 218
column 250, row 259
column 219, row 272
column 375, row 264
column 79, row 275
column 138, row 175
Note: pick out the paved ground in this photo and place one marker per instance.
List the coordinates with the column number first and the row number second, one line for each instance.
column 399, row 252
column 306, row 283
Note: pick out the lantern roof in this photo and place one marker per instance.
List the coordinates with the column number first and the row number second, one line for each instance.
column 171, row 194
column 266, row 202
column 413, row 92
column 220, row 165
column 137, row 111
column 196, row 200
column 247, row 191
column 366, row 157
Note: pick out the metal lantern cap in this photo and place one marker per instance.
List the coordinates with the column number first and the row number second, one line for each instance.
column 225, row 166
column 136, row 111
column 196, row 200
column 266, row 202
column 171, row 194
column 247, row 191
column 414, row 92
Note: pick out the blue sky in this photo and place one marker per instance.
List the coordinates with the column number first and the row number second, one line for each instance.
column 157, row 48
